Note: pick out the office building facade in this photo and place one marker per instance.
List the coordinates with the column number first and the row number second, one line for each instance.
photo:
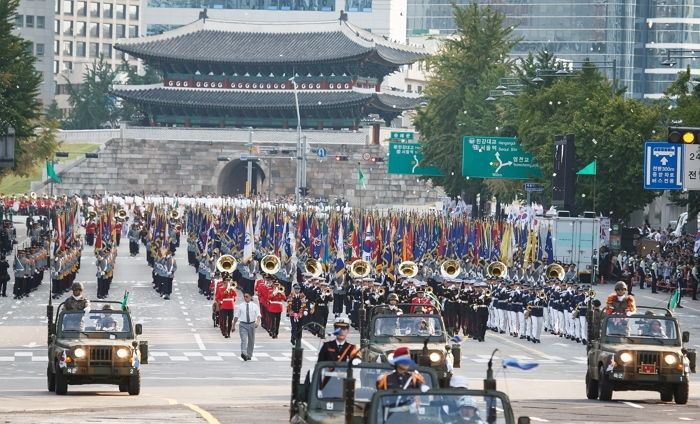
column 33, row 22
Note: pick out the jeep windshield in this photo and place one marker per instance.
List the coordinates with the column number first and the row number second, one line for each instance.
column 330, row 382
column 95, row 325
column 642, row 330
column 439, row 408
column 408, row 328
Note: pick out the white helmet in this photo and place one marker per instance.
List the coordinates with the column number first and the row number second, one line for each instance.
column 466, row 402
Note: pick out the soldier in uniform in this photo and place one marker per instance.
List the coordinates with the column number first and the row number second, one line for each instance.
column 20, row 269
column 101, row 266
column 77, row 302
column 226, row 305
column 275, row 305
column 402, row 378
column 134, row 235
column 620, row 302
column 296, row 310
column 339, row 349
column 168, row 274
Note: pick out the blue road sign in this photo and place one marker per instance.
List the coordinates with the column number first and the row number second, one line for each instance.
column 663, row 166
column 321, row 152
column 533, row 187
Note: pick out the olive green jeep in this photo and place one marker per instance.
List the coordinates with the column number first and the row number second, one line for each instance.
column 96, row 346
column 640, row 351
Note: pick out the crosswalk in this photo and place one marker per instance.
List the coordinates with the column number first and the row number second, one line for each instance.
column 156, row 356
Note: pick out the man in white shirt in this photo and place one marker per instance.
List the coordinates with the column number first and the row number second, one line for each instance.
column 248, row 314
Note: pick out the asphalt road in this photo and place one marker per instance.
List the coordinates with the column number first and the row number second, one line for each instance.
column 195, row 375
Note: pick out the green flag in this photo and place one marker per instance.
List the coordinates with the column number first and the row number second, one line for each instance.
column 675, row 298
column 361, row 178
column 51, row 172
column 125, row 300
column 589, row 169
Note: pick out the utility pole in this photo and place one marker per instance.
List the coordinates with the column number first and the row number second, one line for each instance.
column 249, row 181
column 301, row 161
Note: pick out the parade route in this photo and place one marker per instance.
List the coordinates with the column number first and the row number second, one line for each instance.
column 195, row 375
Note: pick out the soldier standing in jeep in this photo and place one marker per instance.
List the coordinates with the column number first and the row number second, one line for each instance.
column 620, row 302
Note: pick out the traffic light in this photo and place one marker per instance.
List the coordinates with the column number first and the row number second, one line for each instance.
column 341, row 158
column 684, row 135
column 377, row 159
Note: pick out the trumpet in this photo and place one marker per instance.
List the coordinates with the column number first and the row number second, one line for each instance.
column 496, row 269
column 487, row 293
column 278, row 289
column 270, row 264
column 528, row 311
column 408, row 269
column 429, row 289
column 232, row 285
column 359, row 269
column 542, row 295
column 555, row 271
column 381, row 291
column 591, row 293
column 226, row 263
column 450, row 269
column 327, row 291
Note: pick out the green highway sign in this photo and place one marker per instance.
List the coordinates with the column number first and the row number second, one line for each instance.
column 404, row 159
column 402, row 135
column 497, row 158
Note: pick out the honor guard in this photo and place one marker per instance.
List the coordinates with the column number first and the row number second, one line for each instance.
column 275, row 306
column 296, row 310
column 339, row 350
column 134, row 235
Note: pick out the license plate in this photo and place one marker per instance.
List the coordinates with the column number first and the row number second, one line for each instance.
column 647, row 369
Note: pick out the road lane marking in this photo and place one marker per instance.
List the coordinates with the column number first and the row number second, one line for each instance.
column 685, row 419
column 309, row 345
column 199, row 341
column 204, row 414
column 539, row 420
column 633, row 405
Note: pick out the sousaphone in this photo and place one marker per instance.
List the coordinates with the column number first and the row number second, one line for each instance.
column 496, row 269
column 313, row 267
column 450, row 269
column 359, row 268
column 270, row 264
column 226, row 263
column 408, row 269
column 555, row 271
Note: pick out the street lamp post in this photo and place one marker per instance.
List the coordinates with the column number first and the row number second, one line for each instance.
column 7, row 148
column 301, row 147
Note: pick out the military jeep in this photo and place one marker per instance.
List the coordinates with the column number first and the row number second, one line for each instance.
column 321, row 399
column 642, row 351
column 423, row 334
column 98, row 346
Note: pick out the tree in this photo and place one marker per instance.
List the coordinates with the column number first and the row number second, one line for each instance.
column 53, row 112
column 42, row 145
column 93, row 105
column 130, row 111
column 463, row 71
column 609, row 129
column 20, row 107
column 685, row 93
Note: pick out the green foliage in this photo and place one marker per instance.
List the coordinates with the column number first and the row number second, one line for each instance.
column 130, row 111
column 609, row 128
column 93, row 106
column 685, row 93
column 53, row 112
column 463, row 71
column 19, row 87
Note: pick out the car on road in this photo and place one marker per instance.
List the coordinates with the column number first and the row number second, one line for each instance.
column 96, row 346
column 425, row 336
column 321, row 398
column 642, row 351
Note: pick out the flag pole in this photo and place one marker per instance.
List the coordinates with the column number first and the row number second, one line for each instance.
column 594, row 181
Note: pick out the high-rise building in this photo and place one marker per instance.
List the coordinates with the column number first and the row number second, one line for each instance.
column 627, row 39
column 86, row 30
column 33, row 23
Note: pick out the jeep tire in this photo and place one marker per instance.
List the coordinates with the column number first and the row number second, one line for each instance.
column 605, row 390
column 680, row 393
column 50, row 379
column 134, row 385
column 61, row 383
column 591, row 387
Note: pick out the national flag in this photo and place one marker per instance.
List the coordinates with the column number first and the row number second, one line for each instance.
column 368, row 244
column 51, row 171
column 340, row 252
column 515, row 363
column 674, row 300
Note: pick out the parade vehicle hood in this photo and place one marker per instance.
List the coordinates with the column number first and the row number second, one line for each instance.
column 71, row 343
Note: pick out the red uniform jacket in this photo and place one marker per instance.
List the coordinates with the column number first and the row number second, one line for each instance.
column 421, row 301
column 90, row 228
column 276, row 303
column 228, row 299
column 615, row 306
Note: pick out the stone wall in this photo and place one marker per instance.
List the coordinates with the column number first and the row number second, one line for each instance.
column 132, row 165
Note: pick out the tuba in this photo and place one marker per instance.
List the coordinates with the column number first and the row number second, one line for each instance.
column 226, row 263
column 121, row 214
column 270, row 264
column 555, row 271
column 175, row 214
column 32, row 195
column 359, row 269
column 496, row 269
column 408, row 269
column 92, row 214
column 313, row 267
column 450, row 269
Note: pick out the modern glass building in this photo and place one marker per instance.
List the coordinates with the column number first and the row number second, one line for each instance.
column 635, row 36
